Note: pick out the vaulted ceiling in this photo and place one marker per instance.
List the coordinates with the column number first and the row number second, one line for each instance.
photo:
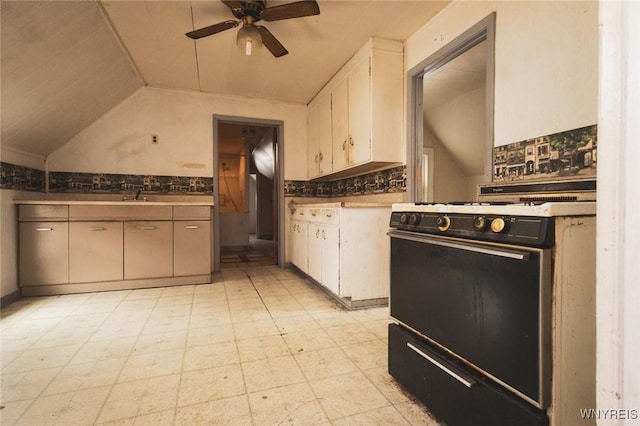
column 66, row 63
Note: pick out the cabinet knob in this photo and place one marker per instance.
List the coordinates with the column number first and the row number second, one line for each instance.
column 321, row 157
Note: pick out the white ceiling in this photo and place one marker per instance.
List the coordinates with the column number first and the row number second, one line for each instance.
column 66, row 63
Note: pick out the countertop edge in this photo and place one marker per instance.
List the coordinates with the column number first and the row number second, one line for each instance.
column 346, row 204
column 112, row 203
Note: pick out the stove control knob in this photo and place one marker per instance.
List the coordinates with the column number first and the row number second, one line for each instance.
column 404, row 218
column 480, row 223
column 443, row 222
column 498, row 225
column 414, row 219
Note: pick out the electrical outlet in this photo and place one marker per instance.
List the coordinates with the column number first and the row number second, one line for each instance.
column 154, row 139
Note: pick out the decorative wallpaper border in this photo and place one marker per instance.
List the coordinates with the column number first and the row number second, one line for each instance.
column 107, row 183
column 21, row 178
column 559, row 155
column 384, row 181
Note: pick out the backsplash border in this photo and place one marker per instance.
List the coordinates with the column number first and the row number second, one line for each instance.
column 391, row 180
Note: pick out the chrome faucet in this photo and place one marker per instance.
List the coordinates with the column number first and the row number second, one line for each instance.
column 138, row 192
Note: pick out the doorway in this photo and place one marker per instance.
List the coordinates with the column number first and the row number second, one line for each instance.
column 247, row 194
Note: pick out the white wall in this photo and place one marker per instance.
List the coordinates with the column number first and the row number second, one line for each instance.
column 546, row 62
column 9, row 220
column 120, row 141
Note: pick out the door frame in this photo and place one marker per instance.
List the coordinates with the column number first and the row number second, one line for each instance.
column 279, row 175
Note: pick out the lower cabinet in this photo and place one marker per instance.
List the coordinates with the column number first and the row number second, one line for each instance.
column 298, row 238
column 148, row 249
column 324, row 255
column 345, row 249
column 95, row 247
column 95, row 251
column 191, row 248
column 44, row 253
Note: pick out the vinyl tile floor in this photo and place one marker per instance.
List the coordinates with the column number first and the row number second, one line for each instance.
column 258, row 346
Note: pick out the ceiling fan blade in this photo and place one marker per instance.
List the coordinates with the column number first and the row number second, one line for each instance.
column 291, row 10
column 275, row 47
column 213, row 29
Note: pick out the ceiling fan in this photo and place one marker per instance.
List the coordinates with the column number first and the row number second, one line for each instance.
column 252, row 36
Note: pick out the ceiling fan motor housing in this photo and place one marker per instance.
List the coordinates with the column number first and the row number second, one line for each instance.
column 252, row 8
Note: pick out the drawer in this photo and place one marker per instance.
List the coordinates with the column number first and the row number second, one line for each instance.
column 30, row 213
column 124, row 212
column 191, row 213
column 478, row 402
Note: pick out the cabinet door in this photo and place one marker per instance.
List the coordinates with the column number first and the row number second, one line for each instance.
column 314, row 253
column 360, row 113
column 324, row 136
column 95, row 252
column 300, row 246
column 313, row 147
column 340, row 125
column 44, row 253
column 148, row 249
column 191, row 248
column 330, row 235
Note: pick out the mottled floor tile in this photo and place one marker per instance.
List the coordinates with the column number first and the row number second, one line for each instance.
column 292, row 405
column 346, row 395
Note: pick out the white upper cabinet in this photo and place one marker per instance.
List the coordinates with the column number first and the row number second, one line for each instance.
column 360, row 112
column 320, row 152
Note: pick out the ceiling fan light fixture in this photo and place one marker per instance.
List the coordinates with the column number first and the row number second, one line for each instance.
column 249, row 39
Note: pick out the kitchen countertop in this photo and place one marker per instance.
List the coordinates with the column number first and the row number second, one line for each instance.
column 114, row 203
column 347, row 204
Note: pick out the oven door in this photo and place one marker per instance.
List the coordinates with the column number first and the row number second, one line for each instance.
column 489, row 304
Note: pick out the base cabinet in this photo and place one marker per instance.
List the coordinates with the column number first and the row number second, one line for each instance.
column 81, row 247
column 344, row 249
column 298, row 239
column 191, row 248
column 44, row 253
column 95, row 251
column 148, row 250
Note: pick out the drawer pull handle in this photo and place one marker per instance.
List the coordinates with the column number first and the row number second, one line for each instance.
column 467, row 381
column 192, row 227
column 146, row 228
column 44, row 229
column 313, row 214
column 97, row 228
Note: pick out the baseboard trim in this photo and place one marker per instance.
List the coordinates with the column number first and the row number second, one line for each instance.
column 10, row 298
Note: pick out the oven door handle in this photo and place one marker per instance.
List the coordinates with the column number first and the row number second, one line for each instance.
column 461, row 377
column 412, row 236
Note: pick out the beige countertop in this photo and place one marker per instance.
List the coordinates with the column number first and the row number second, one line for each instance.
column 347, row 204
column 114, row 203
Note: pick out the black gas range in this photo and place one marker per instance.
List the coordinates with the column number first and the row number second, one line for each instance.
column 472, row 296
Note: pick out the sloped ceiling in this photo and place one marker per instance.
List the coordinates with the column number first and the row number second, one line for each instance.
column 62, row 68
column 66, row 63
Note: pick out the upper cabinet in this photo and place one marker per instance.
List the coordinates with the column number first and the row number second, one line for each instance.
column 355, row 121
